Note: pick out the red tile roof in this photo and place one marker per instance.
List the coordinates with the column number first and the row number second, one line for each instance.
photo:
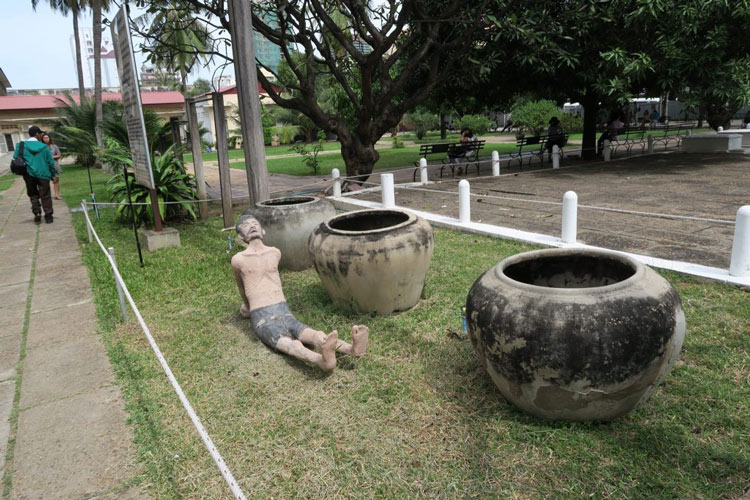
column 232, row 89
column 27, row 102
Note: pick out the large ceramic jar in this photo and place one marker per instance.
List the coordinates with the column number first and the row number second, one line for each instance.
column 288, row 223
column 575, row 334
column 373, row 260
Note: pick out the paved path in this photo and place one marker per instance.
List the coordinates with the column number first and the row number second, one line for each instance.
column 62, row 418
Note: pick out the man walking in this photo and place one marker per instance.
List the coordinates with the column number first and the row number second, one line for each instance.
column 40, row 168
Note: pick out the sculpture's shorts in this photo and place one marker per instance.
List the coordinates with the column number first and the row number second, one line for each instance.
column 275, row 321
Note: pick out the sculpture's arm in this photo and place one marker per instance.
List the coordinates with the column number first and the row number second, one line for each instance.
column 241, row 287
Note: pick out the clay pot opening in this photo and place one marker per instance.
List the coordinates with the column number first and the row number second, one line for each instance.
column 369, row 221
column 293, row 200
column 571, row 270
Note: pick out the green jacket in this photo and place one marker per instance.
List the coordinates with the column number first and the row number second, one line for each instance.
column 39, row 162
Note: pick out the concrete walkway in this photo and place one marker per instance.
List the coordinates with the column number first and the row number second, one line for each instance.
column 62, row 419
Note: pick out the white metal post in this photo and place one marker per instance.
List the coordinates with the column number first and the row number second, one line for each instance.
column 555, row 156
column 123, row 309
column 720, row 129
column 88, row 229
column 464, row 202
column 570, row 217
column 336, row 177
column 495, row 163
column 650, row 144
column 423, row 170
column 606, row 150
column 389, row 195
column 739, row 265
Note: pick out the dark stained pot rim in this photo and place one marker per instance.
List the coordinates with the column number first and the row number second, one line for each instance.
column 288, row 201
column 410, row 219
column 638, row 270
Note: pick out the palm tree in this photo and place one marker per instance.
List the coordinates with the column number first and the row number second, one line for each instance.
column 174, row 39
column 74, row 7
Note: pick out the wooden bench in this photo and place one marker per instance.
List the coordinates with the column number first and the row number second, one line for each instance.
column 672, row 132
column 534, row 145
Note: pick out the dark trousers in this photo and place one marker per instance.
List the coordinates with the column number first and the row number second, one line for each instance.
column 38, row 190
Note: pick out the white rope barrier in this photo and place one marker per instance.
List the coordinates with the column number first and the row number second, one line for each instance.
column 218, row 460
column 589, row 207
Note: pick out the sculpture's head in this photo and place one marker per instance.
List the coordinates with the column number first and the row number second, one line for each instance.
column 248, row 229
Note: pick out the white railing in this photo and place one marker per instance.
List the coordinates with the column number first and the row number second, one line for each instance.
column 123, row 290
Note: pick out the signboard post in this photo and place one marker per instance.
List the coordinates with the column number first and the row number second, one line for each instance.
column 131, row 101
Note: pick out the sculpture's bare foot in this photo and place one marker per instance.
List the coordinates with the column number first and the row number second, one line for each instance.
column 360, row 337
column 328, row 352
column 244, row 311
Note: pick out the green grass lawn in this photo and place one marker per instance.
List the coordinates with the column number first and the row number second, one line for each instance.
column 417, row 416
column 6, row 181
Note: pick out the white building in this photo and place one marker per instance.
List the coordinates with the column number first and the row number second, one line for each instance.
column 109, row 65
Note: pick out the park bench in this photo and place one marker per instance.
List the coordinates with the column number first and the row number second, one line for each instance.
column 463, row 152
column 531, row 146
column 671, row 132
column 446, row 152
column 628, row 138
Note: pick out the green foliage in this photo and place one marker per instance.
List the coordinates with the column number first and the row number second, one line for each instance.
column 479, row 124
column 310, row 158
column 397, row 142
column 422, row 122
column 534, row 116
column 200, row 86
column 286, row 133
column 569, row 123
column 173, row 184
column 74, row 128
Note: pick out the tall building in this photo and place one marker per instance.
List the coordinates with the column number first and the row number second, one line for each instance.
column 109, row 65
column 267, row 53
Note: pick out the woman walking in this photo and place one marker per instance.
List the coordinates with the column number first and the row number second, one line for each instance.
column 56, row 155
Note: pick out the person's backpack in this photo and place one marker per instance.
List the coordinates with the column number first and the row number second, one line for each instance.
column 18, row 164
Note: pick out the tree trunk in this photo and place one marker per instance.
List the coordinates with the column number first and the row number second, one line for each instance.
column 443, row 131
column 359, row 158
column 97, row 11
column 590, row 104
column 79, row 61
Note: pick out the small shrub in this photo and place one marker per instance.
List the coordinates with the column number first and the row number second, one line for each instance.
column 534, row 116
column 570, row 124
column 286, row 133
column 421, row 122
column 310, row 158
column 173, row 183
column 398, row 142
column 479, row 124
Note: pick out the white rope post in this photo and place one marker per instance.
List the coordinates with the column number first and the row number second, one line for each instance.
column 570, row 217
column 336, row 177
column 555, row 156
column 388, row 193
column 650, row 144
column 690, row 131
column 88, row 229
column 123, row 308
column 464, row 202
column 720, row 129
column 495, row 163
column 423, row 170
column 739, row 265
column 607, row 150
column 746, row 126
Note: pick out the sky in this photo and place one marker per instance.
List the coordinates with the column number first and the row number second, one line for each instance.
column 35, row 47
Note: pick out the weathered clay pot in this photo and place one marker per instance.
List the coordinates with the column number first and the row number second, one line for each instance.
column 575, row 334
column 288, row 223
column 373, row 260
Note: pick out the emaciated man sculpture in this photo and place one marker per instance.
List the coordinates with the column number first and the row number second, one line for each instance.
column 259, row 283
